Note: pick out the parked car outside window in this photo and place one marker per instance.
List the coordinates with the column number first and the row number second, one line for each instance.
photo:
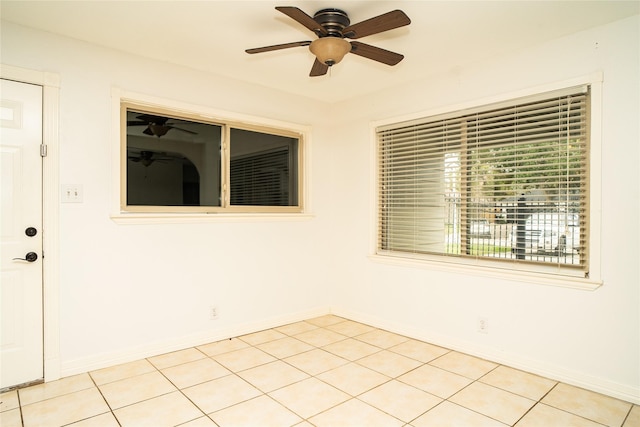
column 480, row 228
column 551, row 234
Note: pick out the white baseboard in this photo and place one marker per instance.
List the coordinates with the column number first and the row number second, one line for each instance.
column 554, row 372
column 92, row 363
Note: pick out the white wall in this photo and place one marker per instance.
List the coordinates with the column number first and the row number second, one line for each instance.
column 128, row 290
column 589, row 338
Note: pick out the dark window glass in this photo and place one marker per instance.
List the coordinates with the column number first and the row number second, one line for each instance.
column 172, row 162
column 263, row 169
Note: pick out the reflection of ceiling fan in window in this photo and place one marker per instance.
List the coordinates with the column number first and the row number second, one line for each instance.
column 148, row 157
column 156, row 125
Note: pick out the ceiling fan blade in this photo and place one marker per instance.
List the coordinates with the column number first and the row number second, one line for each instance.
column 148, row 131
column 318, row 69
column 302, row 18
column 182, row 130
column 134, row 123
column 376, row 53
column 385, row 22
column 278, row 47
column 150, row 118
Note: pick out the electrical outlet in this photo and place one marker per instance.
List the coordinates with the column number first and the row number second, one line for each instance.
column 213, row 312
column 483, row 325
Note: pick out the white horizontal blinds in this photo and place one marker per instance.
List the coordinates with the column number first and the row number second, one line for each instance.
column 261, row 179
column 412, row 191
column 535, row 153
column 467, row 185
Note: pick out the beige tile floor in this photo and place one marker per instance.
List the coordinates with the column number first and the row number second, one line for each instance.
column 326, row 371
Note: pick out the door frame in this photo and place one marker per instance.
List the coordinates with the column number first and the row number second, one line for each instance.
column 50, row 83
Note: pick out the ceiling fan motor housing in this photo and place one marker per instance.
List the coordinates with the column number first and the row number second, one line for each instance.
column 332, row 20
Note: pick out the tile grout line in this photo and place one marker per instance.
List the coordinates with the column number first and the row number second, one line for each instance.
column 463, row 388
column 430, row 409
column 105, row 401
column 539, row 402
column 627, row 416
column 180, row 390
column 20, row 409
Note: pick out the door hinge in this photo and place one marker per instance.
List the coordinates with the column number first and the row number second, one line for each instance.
column 43, row 150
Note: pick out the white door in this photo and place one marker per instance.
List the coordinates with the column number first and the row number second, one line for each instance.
column 21, row 347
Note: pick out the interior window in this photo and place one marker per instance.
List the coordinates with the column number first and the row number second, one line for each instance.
column 176, row 163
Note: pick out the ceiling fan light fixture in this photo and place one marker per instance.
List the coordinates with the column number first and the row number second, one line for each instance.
column 159, row 130
column 330, row 50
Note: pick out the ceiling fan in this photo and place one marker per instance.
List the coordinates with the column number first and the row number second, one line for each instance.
column 148, row 157
column 156, row 125
column 332, row 26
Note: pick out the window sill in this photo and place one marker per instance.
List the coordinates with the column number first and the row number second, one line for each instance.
column 517, row 275
column 189, row 218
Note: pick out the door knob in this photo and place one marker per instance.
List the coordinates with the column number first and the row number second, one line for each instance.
column 29, row 257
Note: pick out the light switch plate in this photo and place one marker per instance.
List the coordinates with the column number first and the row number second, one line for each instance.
column 72, row 193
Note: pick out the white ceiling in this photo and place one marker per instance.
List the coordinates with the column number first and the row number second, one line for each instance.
column 212, row 35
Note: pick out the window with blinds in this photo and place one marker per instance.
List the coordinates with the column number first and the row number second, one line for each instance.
column 505, row 182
